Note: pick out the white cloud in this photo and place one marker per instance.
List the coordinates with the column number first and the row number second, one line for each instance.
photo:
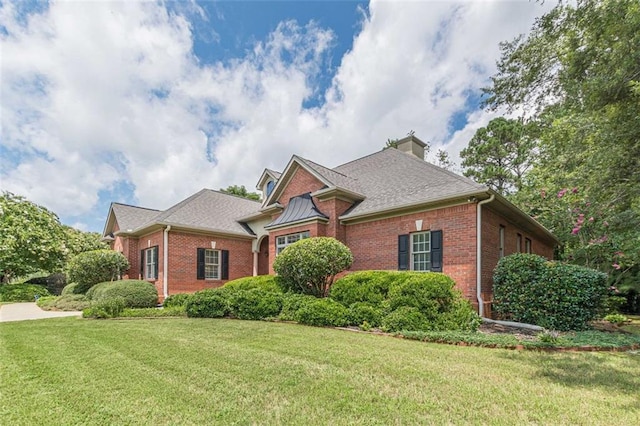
column 98, row 93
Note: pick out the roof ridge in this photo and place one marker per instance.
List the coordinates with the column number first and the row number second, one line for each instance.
column 231, row 195
column 135, row 207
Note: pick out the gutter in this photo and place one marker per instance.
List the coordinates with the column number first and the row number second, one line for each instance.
column 479, row 253
column 165, row 262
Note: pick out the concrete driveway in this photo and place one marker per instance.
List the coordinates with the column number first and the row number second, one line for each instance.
column 30, row 311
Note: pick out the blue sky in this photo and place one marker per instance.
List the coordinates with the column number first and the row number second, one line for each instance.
column 148, row 102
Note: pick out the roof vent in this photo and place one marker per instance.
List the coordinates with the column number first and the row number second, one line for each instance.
column 412, row 145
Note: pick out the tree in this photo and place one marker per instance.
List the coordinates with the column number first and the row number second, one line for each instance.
column 241, row 191
column 578, row 74
column 79, row 241
column 310, row 265
column 92, row 267
column 500, row 154
column 31, row 238
column 443, row 160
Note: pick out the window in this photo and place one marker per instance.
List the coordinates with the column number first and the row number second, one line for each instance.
column 270, row 186
column 211, row 264
column 527, row 245
column 421, row 251
column 151, row 263
column 519, row 244
column 284, row 241
column 501, row 242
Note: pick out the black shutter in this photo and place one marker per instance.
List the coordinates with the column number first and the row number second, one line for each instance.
column 142, row 277
column 155, row 262
column 224, row 274
column 200, row 269
column 436, row 251
column 403, row 252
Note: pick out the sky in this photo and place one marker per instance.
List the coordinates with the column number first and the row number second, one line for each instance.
column 146, row 103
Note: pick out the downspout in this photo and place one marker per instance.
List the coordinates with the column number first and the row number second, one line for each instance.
column 479, row 253
column 165, row 262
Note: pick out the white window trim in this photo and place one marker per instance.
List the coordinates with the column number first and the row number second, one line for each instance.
column 413, row 253
column 290, row 239
column 149, row 263
column 216, row 266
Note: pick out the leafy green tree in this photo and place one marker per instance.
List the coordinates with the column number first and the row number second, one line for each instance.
column 500, row 154
column 31, row 238
column 80, row 241
column 241, row 191
column 577, row 72
column 310, row 265
column 92, row 267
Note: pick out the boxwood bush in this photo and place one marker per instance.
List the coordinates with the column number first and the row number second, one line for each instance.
column 135, row 293
column 366, row 286
column 210, row 303
column 405, row 318
column 255, row 304
column 529, row 289
column 263, row 282
column 179, row 299
column 67, row 302
column 22, row 292
column 323, row 312
column 309, row 266
column 361, row 312
column 292, row 303
column 92, row 267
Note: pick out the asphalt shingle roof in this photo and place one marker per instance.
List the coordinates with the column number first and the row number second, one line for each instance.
column 131, row 217
column 209, row 210
column 392, row 179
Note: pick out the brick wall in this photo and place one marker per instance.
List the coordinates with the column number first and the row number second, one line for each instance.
column 375, row 244
column 183, row 260
column 491, row 222
column 301, row 182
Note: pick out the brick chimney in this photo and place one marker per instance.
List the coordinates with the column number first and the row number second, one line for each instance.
column 412, row 145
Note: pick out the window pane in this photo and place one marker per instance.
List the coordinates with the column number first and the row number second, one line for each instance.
column 421, row 262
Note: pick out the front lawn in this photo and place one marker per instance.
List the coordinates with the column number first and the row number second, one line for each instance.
column 218, row 371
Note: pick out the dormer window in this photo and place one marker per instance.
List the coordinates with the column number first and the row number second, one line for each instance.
column 270, row 186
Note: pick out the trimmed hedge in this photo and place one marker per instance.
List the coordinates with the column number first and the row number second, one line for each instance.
column 431, row 295
column 309, row 266
column 529, row 289
column 323, row 312
column 255, row 304
column 269, row 283
column 69, row 289
column 292, row 303
column 210, row 303
column 22, row 292
column 97, row 266
column 134, row 293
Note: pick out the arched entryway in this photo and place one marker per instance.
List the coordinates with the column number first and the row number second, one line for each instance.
column 263, row 256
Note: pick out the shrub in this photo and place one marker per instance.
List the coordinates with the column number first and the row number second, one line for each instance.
column 309, row 266
column 21, row 292
column 323, row 312
column 431, row 293
column 135, row 293
column 262, row 282
column 291, row 304
column 616, row 319
column 108, row 308
column 366, row 286
column 67, row 302
column 93, row 267
column 69, row 289
column 360, row 313
column 209, row 303
column 529, row 289
column 179, row 299
column 255, row 304
column 460, row 317
column 405, row 318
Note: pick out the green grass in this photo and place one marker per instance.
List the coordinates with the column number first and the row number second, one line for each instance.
column 201, row 371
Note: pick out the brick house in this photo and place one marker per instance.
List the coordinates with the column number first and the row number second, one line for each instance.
column 391, row 208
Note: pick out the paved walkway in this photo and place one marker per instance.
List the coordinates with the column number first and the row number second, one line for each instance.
column 30, row 311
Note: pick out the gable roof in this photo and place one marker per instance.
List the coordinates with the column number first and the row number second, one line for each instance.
column 206, row 210
column 391, row 179
column 128, row 217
